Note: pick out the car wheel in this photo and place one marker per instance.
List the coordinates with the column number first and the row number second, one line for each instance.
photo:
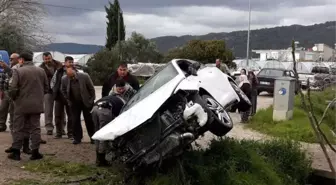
column 241, row 94
column 221, row 122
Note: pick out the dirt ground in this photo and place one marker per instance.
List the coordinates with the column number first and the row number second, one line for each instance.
column 85, row 153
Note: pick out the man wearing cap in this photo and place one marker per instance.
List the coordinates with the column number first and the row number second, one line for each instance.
column 105, row 110
column 5, row 100
column 27, row 88
column 15, row 64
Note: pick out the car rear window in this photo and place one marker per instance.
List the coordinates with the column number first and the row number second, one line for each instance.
column 270, row 72
column 323, row 70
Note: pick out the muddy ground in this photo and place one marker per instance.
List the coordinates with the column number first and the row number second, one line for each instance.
column 62, row 149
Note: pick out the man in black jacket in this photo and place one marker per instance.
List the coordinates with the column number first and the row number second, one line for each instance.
column 121, row 73
column 103, row 112
column 60, row 101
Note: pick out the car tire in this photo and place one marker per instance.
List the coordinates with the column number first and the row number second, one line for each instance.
column 219, row 126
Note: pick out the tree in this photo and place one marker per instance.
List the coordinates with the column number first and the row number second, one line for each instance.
column 205, row 51
column 135, row 49
column 21, row 25
column 114, row 22
column 102, row 64
column 139, row 49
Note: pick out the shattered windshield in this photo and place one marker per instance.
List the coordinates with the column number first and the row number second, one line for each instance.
column 151, row 85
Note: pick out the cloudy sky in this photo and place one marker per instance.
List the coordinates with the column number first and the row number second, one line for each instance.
column 85, row 22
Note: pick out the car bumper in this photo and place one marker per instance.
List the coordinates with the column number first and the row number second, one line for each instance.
column 267, row 88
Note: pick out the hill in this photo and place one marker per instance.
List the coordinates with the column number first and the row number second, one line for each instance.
column 266, row 38
column 73, row 48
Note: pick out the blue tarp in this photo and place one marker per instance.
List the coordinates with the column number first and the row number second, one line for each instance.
column 4, row 57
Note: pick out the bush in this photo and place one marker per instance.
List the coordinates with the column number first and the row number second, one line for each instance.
column 299, row 127
column 230, row 162
column 319, row 104
column 102, row 65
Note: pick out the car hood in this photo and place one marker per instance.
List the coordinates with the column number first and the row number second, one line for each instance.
column 139, row 113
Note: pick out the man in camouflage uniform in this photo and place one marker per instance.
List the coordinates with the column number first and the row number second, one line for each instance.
column 27, row 88
column 221, row 66
column 7, row 104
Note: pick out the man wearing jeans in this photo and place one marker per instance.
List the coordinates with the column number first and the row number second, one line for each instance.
column 60, row 101
column 50, row 66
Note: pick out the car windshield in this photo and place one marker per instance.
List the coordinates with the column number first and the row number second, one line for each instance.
column 270, row 72
column 152, row 84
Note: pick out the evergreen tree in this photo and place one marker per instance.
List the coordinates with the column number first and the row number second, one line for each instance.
column 112, row 24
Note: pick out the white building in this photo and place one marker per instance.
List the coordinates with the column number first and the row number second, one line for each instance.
column 324, row 52
column 320, row 52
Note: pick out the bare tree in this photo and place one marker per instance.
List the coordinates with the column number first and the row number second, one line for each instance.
column 308, row 108
column 21, row 20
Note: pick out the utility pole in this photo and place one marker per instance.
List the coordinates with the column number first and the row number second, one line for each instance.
column 248, row 36
column 119, row 44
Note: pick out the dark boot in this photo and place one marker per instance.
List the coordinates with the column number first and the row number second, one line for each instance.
column 100, row 160
column 3, row 128
column 43, row 141
column 36, row 155
column 26, row 148
column 9, row 150
column 15, row 155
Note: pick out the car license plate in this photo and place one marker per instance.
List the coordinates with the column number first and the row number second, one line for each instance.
column 265, row 83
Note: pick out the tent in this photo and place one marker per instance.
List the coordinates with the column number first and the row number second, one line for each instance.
column 38, row 57
column 301, row 67
column 274, row 64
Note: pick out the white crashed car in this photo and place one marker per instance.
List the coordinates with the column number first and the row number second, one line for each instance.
column 171, row 110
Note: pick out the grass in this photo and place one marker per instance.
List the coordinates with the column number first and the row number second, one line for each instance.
column 299, row 127
column 230, row 162
column 64, row 172
column 226, row 162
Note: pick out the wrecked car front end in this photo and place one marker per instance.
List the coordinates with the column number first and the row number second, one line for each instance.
column 171, row 110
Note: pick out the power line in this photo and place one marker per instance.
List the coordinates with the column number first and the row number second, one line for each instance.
column 61, row 6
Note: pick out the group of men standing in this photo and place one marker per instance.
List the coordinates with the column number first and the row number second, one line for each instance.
column 57, row 90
